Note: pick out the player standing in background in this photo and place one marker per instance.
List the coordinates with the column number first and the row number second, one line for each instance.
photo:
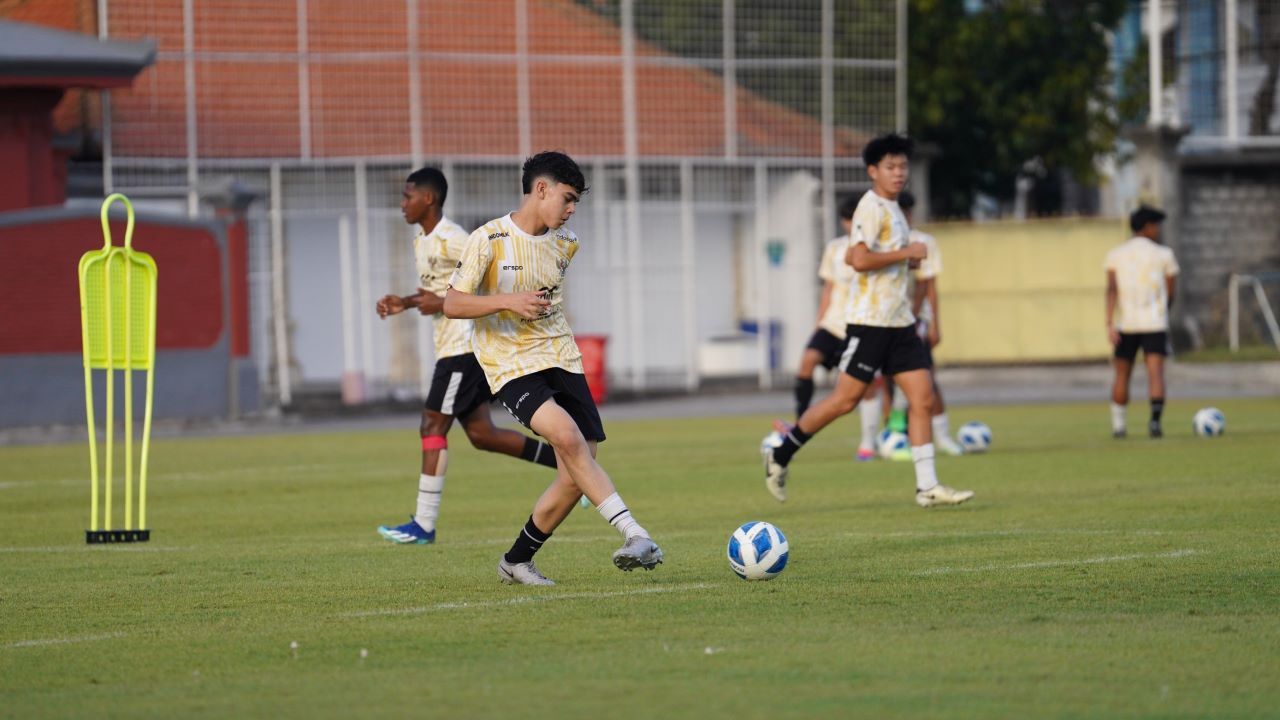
column 881, row 329
column 1142, row 276
column 511, row 281
column 828, row 340
column 925, row 307
column 458, row 387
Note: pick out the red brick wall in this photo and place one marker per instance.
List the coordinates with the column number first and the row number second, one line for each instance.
column 77, row 107
column 38, row 265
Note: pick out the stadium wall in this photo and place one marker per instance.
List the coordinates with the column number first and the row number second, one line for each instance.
column 1230, row 222
column 41, row 364
column 1031, row 291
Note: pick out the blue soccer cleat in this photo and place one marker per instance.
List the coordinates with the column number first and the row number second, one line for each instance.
column 410, row 533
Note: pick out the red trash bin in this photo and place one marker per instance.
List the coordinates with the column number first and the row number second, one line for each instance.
column 593, row 364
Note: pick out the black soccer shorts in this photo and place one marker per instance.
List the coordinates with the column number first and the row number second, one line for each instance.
column 1154, row 343
column 890, row 350
column 458, row 386
column 523, row 396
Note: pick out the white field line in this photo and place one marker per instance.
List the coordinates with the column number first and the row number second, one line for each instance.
column 64, row 640
column 101, row 547
column 222, row 473
column 1060, row 563
column 526, row 599
column 1012, row 532
column 576, row 539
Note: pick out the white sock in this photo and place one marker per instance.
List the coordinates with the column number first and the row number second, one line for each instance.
column 926, row 477
column 942, row 427
column 1117, row 418
column 869, row 412
column 615, row 511
column 430, row 489
column 900, row 400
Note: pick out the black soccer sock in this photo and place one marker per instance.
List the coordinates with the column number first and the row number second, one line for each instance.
column 538, row 452
column 804, row 395
column 1157, row 409
column 791, row 442
column 528, row 542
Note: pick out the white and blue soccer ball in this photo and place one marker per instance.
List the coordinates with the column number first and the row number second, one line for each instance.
column 772, row 441
column 758, row 551
column 974, row 437
column 889, row 442
column 1209, row 422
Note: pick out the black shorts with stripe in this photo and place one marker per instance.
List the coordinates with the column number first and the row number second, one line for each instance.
column 889, row 350
column 458, row 386
column 1152, row 343
column 523, row 396
column 828, row 345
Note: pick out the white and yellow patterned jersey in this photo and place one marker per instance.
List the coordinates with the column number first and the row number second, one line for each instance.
column 835, row 270
column 880, row 298
column 930, row 268
column 437, row 255
column 1142, row 268
column 501, row 258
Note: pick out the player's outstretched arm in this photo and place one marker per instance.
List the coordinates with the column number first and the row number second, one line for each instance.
column 429, row 303
column 460, row 305
column 395, row 304
column 863, row 260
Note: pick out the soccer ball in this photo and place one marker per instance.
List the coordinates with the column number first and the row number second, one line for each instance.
column 975, row 437
column 1209, row 422
column 757, row 551
column 772, row 441
column 889, row 442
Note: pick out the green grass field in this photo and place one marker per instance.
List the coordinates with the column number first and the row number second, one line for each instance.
column 1089, row 578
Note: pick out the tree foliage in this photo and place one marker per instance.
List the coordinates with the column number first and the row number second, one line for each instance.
column 1016, row 82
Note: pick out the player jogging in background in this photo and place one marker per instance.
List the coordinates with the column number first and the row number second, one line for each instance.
column 458, row 387
column 828, row 340
column 925, row 306
column 881, row 329
column 511, row 281
column 1142, row 276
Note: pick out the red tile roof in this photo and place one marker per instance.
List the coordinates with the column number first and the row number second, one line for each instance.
column 248, row 105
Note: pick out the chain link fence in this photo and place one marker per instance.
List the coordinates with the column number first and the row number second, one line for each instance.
column 709, row 129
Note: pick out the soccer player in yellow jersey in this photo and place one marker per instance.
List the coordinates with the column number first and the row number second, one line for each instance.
column 1142, row 277
column 881, row 328
column 458, row 386
column 511, row 281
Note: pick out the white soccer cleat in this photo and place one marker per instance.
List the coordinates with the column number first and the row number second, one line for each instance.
column 941, row 495
column 637, row 552
column 775, row 475
column 525, row 573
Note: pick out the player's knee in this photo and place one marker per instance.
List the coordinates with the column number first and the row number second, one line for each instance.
column 483, row 439
column 568, row 442
column 845, row 403
column 925, row 404
column 433, row 424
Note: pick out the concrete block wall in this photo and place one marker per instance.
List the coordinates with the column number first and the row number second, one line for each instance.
column 1229, row 222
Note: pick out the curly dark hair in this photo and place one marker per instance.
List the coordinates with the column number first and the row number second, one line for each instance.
column 891, row 144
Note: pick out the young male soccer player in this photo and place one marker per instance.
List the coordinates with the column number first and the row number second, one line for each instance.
column 1141, row 279
column 511, row 281
column 881, row 329
column 828, row 340
column 458, row 387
